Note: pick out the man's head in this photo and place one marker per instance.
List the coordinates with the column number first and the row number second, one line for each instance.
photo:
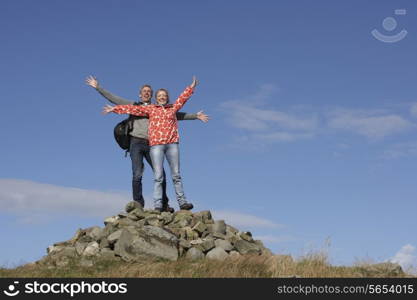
column 145, row 93
column 162, row 96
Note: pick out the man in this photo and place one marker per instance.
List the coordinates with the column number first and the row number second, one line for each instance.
column 139, row 144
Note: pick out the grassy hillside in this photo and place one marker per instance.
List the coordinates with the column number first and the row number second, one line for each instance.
column 315, row 265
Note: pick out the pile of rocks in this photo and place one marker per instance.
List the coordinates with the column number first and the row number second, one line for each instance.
column 137, row 233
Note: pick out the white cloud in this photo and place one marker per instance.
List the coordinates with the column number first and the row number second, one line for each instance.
column 259, row 121
column 274, row 239
column 400, row 150
column 372, row 124
column 32, row 201
column 249, row 116
column 406, row 257
column 253, row 115
column 413, row 109
column 283, row 136
column 241, row 220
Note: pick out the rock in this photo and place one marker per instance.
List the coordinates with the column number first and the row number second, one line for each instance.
column 64, row 244
column 210, row 227
column 111, row 220
column 196, row 242
column 152, row 220
column 92, row 249
column 167, row 217
column 207, row 234
column 217, row 253
column 219, row 235
column 133, row 217
column 141, row 223
column 152, row 212
column 183, row 223
column 191, row 234
column 233, row 238
column 179, row 233
column 85, row 239
column 245, row 247
column 163, row 235
column 124, row 222
column 133, row 205
column 231, row 230
column 203, row 217
column 80, row 247
column 206, row 215
column 64, row 252
column 148, row 241
column 219, row 227
column 183, row 218
column 104, row 243
column 107, row 230
column 112, row 238
column 264, row 250
column 53, row 249
column 234, row 254
column 94, row 233
column 200, row 227
column 207, row 244
column 107, row 253
column 225, row 245
column 138, row 213
column 76, row 236
column 185, row 244
column 137, row 234
column 194, row 254
column 247, row 236
column 259, row 243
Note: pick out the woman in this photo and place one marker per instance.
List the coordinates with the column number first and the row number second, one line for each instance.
column 163, row 139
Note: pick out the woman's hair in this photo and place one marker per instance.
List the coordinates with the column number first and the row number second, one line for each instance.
column 162, row 90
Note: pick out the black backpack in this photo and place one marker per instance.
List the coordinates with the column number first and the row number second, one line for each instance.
column 121, row 132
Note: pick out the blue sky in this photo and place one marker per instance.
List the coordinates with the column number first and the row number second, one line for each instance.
column 313, row 131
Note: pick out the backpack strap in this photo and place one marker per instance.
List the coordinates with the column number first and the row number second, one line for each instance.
column 130, row 125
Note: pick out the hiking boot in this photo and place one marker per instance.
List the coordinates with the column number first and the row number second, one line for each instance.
column 159, row 209
column 168, row 209
column 187, row 206
column 165, row 205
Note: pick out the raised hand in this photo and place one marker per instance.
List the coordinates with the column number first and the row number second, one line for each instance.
column 107, row 109
column 91, row 81
column 202, row 116
column 194, row 83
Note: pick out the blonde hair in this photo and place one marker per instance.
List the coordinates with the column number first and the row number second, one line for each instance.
column 162, row 90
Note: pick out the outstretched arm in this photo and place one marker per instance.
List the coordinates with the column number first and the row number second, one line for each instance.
column 93, row 82
column 182, row 116
column 136, row 110
column 186, row 94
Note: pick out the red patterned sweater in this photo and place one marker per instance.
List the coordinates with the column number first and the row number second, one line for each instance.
column 163, row 126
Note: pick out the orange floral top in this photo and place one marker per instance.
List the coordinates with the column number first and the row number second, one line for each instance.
column 163, row 126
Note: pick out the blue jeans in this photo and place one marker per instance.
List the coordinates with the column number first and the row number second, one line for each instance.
column 138, row 151
column 172, row 153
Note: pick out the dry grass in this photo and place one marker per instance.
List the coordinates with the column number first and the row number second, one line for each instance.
column 313, row 265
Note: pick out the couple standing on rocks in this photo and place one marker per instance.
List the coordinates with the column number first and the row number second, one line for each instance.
column 153, row 137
